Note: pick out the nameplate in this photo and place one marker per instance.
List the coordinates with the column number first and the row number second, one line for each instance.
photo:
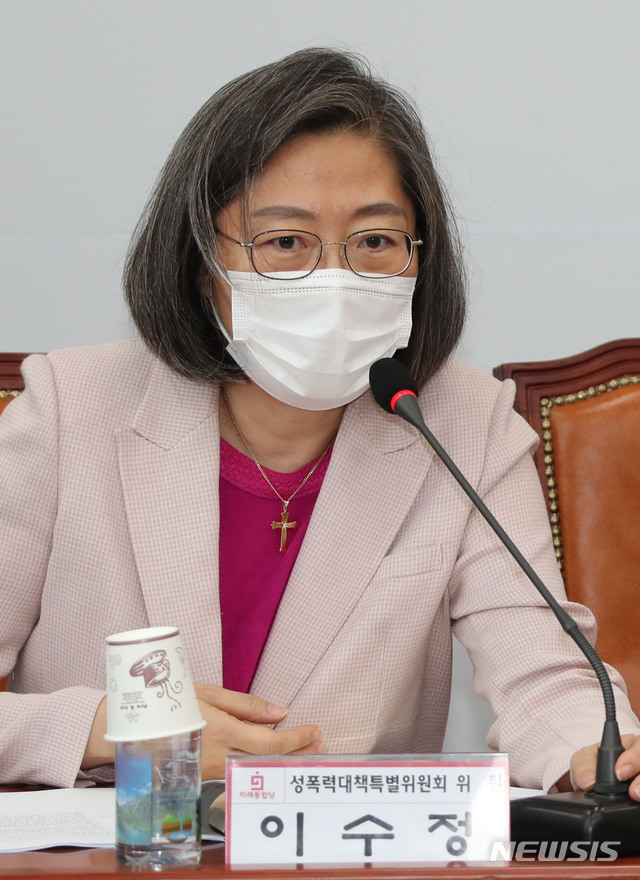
column 356, row 809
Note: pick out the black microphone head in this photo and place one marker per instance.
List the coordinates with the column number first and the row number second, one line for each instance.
column 387, row 377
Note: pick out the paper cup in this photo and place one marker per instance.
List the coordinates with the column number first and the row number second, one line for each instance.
column 150, row 693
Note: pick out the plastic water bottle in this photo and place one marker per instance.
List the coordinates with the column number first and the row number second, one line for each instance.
column 158, row 801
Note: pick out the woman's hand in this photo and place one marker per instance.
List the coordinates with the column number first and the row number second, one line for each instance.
column 233, row 721
column 583, row 766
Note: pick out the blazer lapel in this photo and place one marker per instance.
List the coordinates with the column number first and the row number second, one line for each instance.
column 169, row 462
column 377, row 466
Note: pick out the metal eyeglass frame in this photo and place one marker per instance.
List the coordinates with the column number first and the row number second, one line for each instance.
column 249, row 244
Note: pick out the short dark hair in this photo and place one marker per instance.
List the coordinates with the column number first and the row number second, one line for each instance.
column 229, row 141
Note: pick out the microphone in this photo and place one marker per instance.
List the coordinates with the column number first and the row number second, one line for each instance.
column 608, row 813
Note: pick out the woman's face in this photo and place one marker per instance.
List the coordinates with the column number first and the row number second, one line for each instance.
column 330, row 184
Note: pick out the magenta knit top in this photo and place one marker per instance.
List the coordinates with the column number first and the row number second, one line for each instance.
column 253, row 571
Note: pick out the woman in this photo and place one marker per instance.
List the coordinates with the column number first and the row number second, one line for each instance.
column 231, row 474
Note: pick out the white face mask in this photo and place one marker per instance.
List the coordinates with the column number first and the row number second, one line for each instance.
column 309, row 342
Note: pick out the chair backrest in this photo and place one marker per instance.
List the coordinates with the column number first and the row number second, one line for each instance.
column 586, row 409
column 11, row 385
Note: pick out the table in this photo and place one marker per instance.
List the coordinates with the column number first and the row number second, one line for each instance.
column 100, row 865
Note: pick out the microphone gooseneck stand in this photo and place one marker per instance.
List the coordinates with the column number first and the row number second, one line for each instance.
column 606, row 815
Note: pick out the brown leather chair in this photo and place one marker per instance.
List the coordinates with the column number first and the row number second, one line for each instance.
column 11, row 385
column 586, row 409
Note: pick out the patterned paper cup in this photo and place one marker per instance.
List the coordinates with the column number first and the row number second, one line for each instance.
column 150, row 693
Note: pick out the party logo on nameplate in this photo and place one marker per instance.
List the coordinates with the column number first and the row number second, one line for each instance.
column 366, row 808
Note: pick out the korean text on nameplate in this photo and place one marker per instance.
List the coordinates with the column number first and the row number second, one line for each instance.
column 356, row 809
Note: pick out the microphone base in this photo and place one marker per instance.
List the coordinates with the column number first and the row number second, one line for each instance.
column 579, row 816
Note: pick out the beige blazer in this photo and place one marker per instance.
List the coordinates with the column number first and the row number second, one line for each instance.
column 109, row 521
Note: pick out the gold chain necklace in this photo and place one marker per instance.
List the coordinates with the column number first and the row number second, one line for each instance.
column 283, row 523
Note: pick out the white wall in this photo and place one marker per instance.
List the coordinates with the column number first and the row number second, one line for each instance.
column 532, row 106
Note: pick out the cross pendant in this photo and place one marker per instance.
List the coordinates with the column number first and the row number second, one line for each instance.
column 283, row 525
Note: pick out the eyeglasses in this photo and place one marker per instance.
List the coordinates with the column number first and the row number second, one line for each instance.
column 381, row 252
